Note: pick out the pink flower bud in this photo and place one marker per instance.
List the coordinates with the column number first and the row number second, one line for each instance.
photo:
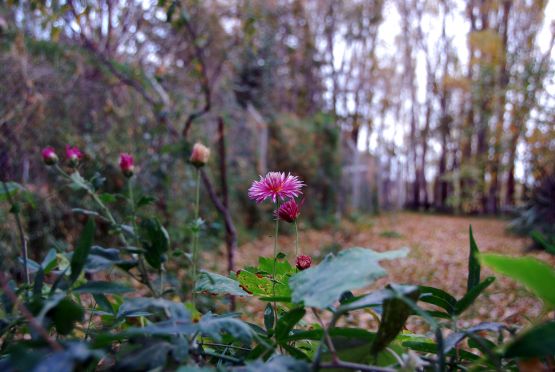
column 289, row 211
column 49, row 156
column 126, row 164
column 200, row 155
column 303, row 262
column 73, row 154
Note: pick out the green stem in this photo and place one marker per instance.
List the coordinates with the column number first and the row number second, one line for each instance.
column 276, row 232
column 196, row 233
column 24, row 254
column 296, row 239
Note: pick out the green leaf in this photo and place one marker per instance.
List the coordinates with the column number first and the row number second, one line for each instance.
column 269, row 317
column 37, row 285
column 395, row 314
column 103, row 303
column 278, row 363
column 354, row 268
column 65, row 315
column 286, row 323
column 431, row 347
column 473, row 263
column 107, row 198
column 537, row 342
column 79, row 257
column 454, row 338
column 471, row 295
column 438, row 297
column 534, row 274
column 105, row 258
column 376, row 298
column 155, row 240
column 542, row 241
column 50, row 261
column 145, row 200
column 13, row 189
column 218, row 284
column 213, row 326
column 100, row 287
column 317, row 334
column 78, row 182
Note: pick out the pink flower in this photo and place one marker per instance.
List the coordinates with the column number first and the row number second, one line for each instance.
column 274, row 185
column 49, row 156
column 303, row 262
column 289, row 211
column 126, row 164
column 73, row 154
column 200, row 155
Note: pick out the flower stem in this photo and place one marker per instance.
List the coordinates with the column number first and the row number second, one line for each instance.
column 276, row 233
column 196, row 234
column 24, row 254
column 296, row 239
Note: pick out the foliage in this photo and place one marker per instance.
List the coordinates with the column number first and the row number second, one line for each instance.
column 80, row 310
column 537, row 217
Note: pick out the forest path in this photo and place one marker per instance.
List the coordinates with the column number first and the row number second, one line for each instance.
column 439, row 247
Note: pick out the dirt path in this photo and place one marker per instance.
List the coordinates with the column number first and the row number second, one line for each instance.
column 439, row 252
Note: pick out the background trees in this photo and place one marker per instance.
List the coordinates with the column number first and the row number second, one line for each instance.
column 444, row 105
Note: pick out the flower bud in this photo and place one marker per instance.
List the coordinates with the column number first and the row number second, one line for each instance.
column 73, row 154
column 49, row 156
column 289, row 211
column 303, row 262
column 126, row 164
column 200, row 155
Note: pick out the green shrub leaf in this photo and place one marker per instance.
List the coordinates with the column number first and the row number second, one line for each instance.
column 537, row 342
column 473, row 263
column 79, row 257
column 100, row 287
column 322, row 285
column 534, row 274
column 218, row 284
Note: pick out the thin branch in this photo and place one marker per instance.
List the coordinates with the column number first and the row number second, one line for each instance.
column 204, row 81
column 27, row 314
column 21, row 234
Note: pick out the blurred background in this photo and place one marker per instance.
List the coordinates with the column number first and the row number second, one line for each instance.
column 438, row 106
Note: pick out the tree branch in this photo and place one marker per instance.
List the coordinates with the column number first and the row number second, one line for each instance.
column 204, row 81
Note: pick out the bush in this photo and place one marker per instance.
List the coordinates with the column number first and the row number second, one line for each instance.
column 125, row 308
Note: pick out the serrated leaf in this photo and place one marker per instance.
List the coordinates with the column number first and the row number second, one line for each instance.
column 78, row 182
column 213, row 327
column 82, row 249
column 534, row 274
column 354, row 268
column 278, row 363
column 101, row 287
column 218, row 284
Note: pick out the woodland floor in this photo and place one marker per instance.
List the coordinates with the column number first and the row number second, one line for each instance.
column 438, row 257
